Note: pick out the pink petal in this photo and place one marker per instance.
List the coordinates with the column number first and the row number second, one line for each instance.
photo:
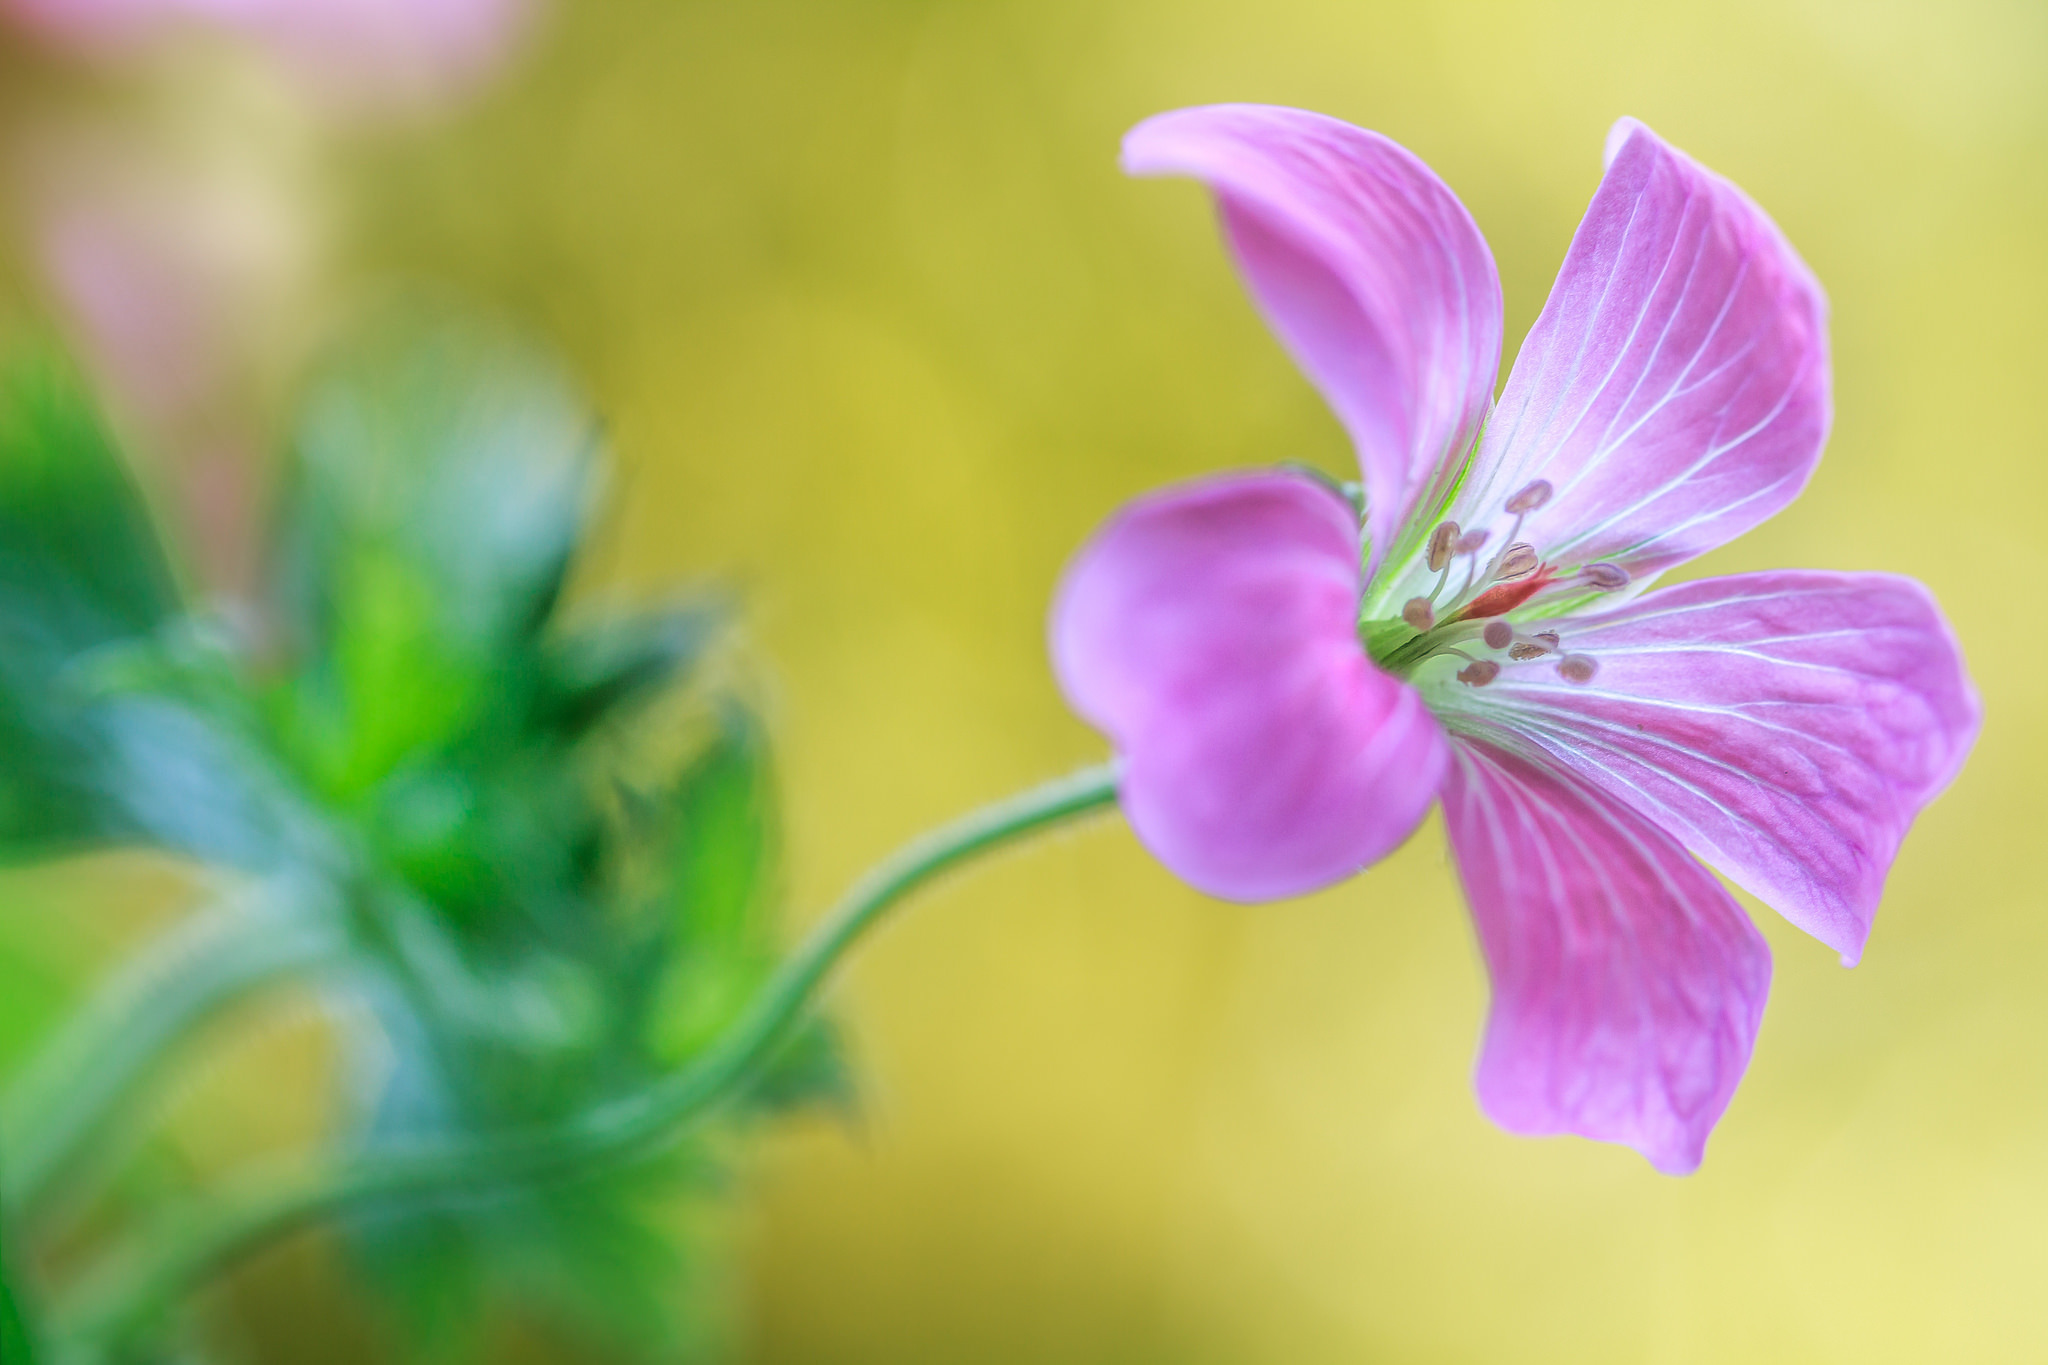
column 1627, row 984
column 359, row 54
column 1211, row 632
column 1368, row 268
column 1784, row 726
column 1675, row 390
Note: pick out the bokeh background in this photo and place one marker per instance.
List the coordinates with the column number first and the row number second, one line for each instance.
column 882, row 334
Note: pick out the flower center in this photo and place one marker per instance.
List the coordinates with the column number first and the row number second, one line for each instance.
column 1472, row 618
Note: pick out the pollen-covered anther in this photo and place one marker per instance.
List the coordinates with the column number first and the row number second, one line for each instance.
column 1519, row 562
column 1419, row 614
column 1470, row 541
column 1532, row 648
column 1606, row 577
column 1443, row 542
column 1498, row 634
column 1530, row 498
column 1479, row 673
column 1577, row 668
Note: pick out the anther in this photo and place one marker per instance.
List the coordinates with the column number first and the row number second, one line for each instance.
column 1442, row 541
column 1419, row 615
column 1548, row 637
column 1530, row 498
column 1577, row 668
column 1470, row 541
column 1498, row 634
column 1519, row 562
column 1532, row 648
column 1606, row 577
column 1479, row 673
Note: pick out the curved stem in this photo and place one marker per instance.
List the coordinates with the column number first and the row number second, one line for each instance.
column 103, row 1052
column 125, row 1300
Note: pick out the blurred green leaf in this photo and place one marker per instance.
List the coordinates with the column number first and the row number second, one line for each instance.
column 119, row 722
column 724, row 839
column 720, row 888
column 714, row 840
column 172, row 750
column 17, row 1343
column 675, row 939
column 80, row 569
column 595, row 672
column 78, row 552
column 807, row 1071
column 596, row 1251
column 424, row 1268
column 442, row 478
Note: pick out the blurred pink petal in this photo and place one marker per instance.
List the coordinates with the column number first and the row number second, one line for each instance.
column 1211, row 632
column 1627, row 985
column 1369, row 269
column 353, row 53
column 178, row 272
column 1785, row 726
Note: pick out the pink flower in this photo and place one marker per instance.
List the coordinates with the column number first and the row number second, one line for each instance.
column 358, row 54
column 1289, row 693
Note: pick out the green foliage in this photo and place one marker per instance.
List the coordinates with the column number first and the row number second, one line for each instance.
column 80, row 570
column 439, row 486
column 123, row 718
column 549, row 836
column 17, row 1345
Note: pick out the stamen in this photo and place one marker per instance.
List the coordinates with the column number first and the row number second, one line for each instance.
column 1548, row 637
column 1479, row 673
column 1442, row 541
column 1470, row 541
column 1577, row 668
column 1530, row 498
column 1420, row 616
column 1532, row 648
column 1498, row 634
column 1606, row 577
column 1519, row 562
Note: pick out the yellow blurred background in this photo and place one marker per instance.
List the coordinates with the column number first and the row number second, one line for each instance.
column 883, row 334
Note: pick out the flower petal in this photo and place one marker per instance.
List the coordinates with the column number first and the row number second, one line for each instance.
column 1784, row 726
column 1627, row 984
column 1370, row 271
column 1211, row 632
column 1675, row 390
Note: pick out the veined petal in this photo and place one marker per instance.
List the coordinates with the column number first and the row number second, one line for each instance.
column 1627, row 984
column 1371, row 272
column 1784, row 726
column 1211, row 632
column 1675, row 390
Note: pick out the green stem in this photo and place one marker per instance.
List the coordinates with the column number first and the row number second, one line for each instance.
column 126, row 1299
column 97, row 1060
